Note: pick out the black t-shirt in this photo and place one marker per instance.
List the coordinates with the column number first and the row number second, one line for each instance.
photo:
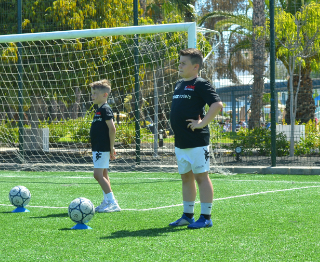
column 99, row 132
column 189, row 100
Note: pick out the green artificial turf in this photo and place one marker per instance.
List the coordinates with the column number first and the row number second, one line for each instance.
column 255, row 218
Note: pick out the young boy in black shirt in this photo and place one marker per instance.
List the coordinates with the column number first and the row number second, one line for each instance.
column 190, row 126
column 102, row 134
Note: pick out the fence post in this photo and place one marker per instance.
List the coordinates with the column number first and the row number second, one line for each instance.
column 272, row 86
column 160, row 138
column 20, row 83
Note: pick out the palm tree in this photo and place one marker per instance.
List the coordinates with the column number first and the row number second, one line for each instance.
column 258, row 46
column 243, row 25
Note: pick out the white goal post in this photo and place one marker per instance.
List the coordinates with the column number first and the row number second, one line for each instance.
column 45, row 100
column 190, row 27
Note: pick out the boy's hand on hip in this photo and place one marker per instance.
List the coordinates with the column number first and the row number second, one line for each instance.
column 195, row 124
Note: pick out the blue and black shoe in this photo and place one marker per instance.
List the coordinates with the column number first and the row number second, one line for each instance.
column 200, row 223
column 183, row 221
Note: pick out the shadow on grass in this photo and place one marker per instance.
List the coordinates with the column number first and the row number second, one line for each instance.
column 53, row 215
column 94, row 183
column 152, row 232
column 53, row 183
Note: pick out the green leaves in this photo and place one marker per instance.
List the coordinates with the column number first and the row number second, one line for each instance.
column 298, row 35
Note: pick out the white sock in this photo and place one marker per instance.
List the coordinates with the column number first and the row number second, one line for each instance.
column 188, row 207
column 206, row 208
column 104, row 196
column 109, row 197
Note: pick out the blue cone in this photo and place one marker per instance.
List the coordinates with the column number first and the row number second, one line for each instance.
column 20, row 210
column 81, row 226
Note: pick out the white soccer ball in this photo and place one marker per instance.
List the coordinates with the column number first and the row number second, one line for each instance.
column 81, row 210
column 19, row 196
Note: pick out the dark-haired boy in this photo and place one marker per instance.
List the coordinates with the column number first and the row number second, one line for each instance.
column 190, row 126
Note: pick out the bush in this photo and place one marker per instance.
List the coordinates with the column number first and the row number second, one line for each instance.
column 57, row 130
column 259, row 139
column 311, row 143
column 81, row 130
column 126, row 133
column 308, row 145
column 8, row 133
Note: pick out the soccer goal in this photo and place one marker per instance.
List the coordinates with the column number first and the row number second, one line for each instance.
column 46, row 109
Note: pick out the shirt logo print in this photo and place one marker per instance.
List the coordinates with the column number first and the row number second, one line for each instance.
column 189, row 88
column 181, row 96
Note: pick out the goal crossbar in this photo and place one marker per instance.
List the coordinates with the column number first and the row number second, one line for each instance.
column 129, row 30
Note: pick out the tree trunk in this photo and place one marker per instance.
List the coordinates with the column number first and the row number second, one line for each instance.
column 53, row 109
column 305, row 105
column 258, row 46
column 75, row 108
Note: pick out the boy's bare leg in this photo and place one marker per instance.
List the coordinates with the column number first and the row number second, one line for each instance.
column 189, row 189
column 105, row 174
column 205, row 187
column 99, row 175
column 109, row 204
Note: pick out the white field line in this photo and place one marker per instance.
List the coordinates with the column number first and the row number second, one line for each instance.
column 230, row 197
column 216, row 199
column 163, row 178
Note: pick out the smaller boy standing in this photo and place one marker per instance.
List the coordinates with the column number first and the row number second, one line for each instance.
column 102, row 134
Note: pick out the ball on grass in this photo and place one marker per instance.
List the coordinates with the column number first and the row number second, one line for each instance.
column 19, row 196
column 81, row 210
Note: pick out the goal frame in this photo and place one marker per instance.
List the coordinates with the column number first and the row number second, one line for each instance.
column 189, row 27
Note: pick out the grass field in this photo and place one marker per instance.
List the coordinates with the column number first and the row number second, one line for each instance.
column 255, row 217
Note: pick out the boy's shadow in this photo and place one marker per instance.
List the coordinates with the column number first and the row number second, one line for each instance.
column 151, row 232
column 53, row 215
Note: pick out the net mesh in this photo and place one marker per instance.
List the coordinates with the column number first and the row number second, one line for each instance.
column 50, row 80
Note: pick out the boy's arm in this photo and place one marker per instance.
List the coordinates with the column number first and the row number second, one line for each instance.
column 112, row 137
column 210, row 115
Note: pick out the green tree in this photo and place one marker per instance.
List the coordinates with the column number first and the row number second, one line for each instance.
column 298, row 38
column 159, row 10
column 61, row 61
column 288, row 37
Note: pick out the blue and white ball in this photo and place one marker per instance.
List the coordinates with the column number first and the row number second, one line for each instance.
column 81, row 210
column 19, row 196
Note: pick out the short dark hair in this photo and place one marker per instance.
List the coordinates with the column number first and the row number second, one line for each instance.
column 195, row 55
column 101, row 85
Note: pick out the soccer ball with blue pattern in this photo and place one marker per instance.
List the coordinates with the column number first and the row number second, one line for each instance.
column 19, row 196
column 81, row 210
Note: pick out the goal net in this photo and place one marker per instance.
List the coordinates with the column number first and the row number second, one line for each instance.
column 45, row 99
